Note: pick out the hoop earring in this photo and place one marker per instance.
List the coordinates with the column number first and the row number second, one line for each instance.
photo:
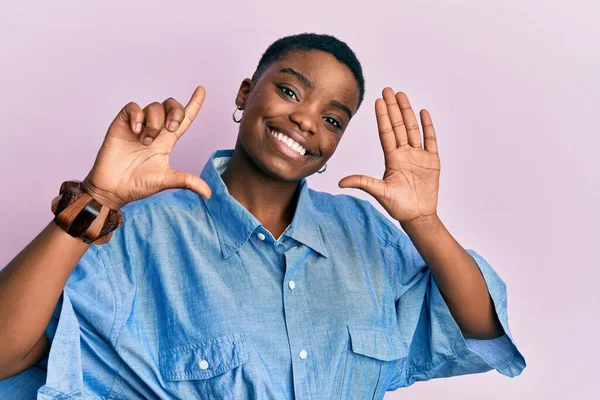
column 323, row 169
column 237, row 121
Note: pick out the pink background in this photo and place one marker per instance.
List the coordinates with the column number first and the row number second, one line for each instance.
column 511, row 88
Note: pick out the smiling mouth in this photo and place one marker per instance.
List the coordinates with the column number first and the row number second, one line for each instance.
column 290, row 143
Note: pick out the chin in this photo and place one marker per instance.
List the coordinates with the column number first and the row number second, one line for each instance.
column 271, row 165
column 279, row 171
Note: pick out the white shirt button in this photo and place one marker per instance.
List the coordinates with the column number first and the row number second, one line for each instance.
column 292, row 284
column 303, row 354
column 261, row 236
column 203, row 364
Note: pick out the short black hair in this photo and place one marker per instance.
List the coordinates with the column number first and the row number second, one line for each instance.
column 312, row 41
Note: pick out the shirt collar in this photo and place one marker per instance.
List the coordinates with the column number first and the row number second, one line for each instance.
column 234, row 224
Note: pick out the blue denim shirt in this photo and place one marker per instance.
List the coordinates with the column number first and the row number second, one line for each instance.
column 194, row 298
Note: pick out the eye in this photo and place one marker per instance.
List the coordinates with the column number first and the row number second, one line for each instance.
column 288, row 92
column 334, row 122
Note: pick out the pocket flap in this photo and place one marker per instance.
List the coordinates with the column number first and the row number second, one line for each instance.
column 203, row 359
column 376, row 343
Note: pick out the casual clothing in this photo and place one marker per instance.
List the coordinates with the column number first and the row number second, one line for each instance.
column 194, row 298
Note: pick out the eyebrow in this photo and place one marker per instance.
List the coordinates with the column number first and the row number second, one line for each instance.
column 342, row 107
column 306, row 82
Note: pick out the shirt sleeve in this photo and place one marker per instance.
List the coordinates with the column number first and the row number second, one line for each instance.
column 437, row 347
column 81, row 330
column 24, row 385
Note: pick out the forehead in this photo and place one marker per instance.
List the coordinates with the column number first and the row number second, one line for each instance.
column 330, row 78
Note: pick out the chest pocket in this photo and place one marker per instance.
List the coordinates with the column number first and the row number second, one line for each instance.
column 370, row 362
column 205, row 369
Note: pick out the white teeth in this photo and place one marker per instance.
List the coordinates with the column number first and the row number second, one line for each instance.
column 297, row 147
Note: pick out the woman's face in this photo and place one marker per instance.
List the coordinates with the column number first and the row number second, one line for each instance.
column 308, row 96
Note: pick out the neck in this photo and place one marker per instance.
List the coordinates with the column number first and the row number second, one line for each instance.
column 272, row 202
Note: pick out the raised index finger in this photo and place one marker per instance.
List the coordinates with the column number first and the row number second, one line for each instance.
column 384, row 125
column 191, row 110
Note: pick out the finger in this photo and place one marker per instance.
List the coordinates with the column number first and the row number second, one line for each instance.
column 410, row 120
column 175, row 114
column 191, row 110
column 370, row 185
column 184, row 180
column 386, row 132
column 133, row 116
column 396, row 119
column 154, row 119
column 429, row 132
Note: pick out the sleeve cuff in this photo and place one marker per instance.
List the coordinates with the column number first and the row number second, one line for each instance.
column 499, row 353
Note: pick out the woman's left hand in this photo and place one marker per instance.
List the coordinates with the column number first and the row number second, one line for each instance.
column 410, row 185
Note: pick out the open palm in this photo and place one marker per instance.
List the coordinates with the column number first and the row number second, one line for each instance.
column 410, row 184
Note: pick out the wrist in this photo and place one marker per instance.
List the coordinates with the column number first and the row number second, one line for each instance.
column 101, row 196
column 426, row 223
column 82, row 216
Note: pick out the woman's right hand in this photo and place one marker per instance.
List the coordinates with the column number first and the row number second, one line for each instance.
column 133, row 162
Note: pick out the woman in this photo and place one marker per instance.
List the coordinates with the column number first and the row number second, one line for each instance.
column 248, row 284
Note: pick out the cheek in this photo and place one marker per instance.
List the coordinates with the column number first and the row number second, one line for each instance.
column 266, row 103
column 328, row 142
column 276, row 107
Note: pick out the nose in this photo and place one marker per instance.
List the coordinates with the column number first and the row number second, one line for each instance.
column 305, row 118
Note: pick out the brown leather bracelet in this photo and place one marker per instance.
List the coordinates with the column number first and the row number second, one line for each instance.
column 81, row 216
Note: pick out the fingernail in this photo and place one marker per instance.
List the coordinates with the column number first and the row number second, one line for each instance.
column 173, row 125
column 148, row 140
column 138, row 127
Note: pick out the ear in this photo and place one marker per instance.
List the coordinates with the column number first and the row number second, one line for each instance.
column 243, row 92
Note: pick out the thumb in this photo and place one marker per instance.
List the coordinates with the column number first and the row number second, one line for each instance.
column 184, row 180
column 370, row 185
